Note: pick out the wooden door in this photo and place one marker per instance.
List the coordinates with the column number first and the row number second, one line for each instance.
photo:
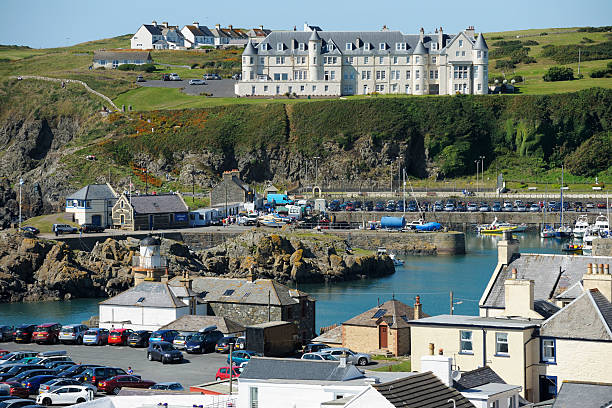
column 382, row 335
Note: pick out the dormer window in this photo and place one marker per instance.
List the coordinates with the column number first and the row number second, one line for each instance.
column 301, row 46
column 349, row 46
column 264, row 46
column 400, row 46
column 382, row 46
column 434, row 46
column 279, row 47
column 461, row 43
column 330, row 47
column 366, row 46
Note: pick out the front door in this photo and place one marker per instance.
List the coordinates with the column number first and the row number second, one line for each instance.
column 548, row 387
column 96, row 220
column 383, row 338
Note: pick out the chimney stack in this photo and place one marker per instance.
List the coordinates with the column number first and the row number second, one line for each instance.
column 195, row 23
column 218, row 26
column 165, row 24
column 518, row 298
column 590, row 269
column 440, row 366
column 417, row 308
column 431, row 349
column 440, row 38
column 231, row 27
column 421, row 34
column 470, row 31
column 606, row 269
column 261, row 27
column 601, row 269
column 507, row 247
column 514, row 273
column 154, row 23
column 600, row 279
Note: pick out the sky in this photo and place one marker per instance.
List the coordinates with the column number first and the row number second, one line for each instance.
column 54, row 23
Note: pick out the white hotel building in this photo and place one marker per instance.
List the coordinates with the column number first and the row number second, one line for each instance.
column 328, row 63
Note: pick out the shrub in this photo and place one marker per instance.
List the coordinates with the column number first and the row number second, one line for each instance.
column 517, row 78
column 586, row 40
column 193, row 66
column 530, row 42
column 566, row 54
column 601, row 73
column 101, row 68
column 543, row 33
column 146, row 67
column 126, row 67
column 504, row 64
column 558, row 74
column 592, row 156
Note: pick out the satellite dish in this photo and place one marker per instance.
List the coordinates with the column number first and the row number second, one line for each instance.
column 456, row 375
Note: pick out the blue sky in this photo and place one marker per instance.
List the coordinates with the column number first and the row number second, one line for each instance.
column 51, row 23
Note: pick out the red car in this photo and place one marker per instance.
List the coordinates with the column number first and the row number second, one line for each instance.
column 16, row 389
column 113, row 385
column 3, row 352
column 119, row 337
column 223, row 373
column 47, row 333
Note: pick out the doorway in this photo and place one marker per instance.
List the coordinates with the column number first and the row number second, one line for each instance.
column 548, row 387
column 96, row 220
column 383, row 338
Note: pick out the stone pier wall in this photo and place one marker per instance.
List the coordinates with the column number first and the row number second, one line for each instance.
column 408, row 243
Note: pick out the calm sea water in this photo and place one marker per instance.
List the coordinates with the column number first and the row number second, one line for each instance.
column 431, row 277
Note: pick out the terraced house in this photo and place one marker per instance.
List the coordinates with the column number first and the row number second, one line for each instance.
column 330, row 63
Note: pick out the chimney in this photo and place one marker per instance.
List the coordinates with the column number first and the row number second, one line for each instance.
column 165, row 24
column 186, row 281
column 417, row 308
column 421, row 34
column 431, row 349
column 342, row 361
column 514, row 273
column 231, row 27
column 440, row 38
column 195, row 23
column 590, row 269
column 440, row 366
column 507, row 248
column 154, row 23
column 519, row 298
column 261, row 27
column 601, row 281
column 470, row 31
column 218, row 26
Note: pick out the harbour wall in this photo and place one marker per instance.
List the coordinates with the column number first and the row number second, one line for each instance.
column 602, row 247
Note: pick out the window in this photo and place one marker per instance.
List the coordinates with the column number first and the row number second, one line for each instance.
column 381, row 74
column 408, row 74
column 277, row 77
column 380, row 88
column 400, row 46
column 382, row 46
column 279, row 47
column 433, row 60
column 326, row 89
column 463, row 53
column 431, row 74
column 349, row 60
column 512, row 401
column 366, row 74
column 244, row 60
column 314, row 46
column 278, row 90
column 416, row 87
column 407, row 89
column 434, row 46
column 395, row 74
column 480, row 87
column 302, row 88
column 349, row 46
column 476, row 72
column 465, row 342
column 262, row 60
column 228, row 292
column 381, row 60
column 314, row 60
column 501, row 343
column 330, row 47
column 494, row 404
column 461, row 43
column 408, row 60
column 332, row 75
column 265, row 88
column 280, row 60
column 436, row 74
column 366, row 47
column 484, row 54
column 479, row 54
column 314, row 88
column 394, row 87
column 417, row 74
column 253, row 398
column 416, row 59
column 366, row 60
column 395, row 60
column 301, row 46
column 548, row 351
column 284, row 76
column 456, row 53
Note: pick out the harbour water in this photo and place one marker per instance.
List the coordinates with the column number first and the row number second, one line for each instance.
column 430, row 277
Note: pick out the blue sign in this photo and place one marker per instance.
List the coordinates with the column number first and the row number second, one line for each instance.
column 180, row 217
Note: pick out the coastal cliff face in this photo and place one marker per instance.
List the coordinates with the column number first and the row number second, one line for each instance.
column 33, row 269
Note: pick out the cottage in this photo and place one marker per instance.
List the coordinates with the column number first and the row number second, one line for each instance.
column 257, row 35
column 158, row 36
column 148, row 212
column 197, row 36
column 113, row 58
column 231, row 190
column 383, row 328
column 92, row 204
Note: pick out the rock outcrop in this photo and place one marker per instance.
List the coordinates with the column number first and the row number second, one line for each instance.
column 33, row 269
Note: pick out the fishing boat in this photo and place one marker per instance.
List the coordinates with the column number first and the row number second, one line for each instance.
column 383, row 251
column 272, row 220
column 580, row 227
column 497, row 227
column 572, row 247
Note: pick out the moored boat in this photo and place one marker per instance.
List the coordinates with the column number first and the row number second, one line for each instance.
column 580, row 227
column 547, row 232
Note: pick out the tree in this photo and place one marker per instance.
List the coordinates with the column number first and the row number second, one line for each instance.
column 558, row 74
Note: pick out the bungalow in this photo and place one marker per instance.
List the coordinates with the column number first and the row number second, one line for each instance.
column 92, row 204
column 148, row 212
column 112, row 59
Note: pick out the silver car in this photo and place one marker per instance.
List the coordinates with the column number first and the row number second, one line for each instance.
column 72, row 333
column 197, row 82
column 319, row 356
column 361, row 359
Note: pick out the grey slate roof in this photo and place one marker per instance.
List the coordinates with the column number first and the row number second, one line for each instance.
column 394, row 312
column 314, row 36
column 477, row 377
column 481, row 44
column 158, row 204
column 544, row 308
column 583, row 395
column 153, row 294
column 211, row 289
column 420, row 49
column 573, row 292
column 262, row 368
column 333, row 336
column 122, row 55
column 93, row 192
column 201, row 31
column 421, row 391
column 249, row 49
column 552, row 275
column 477, row 321
column 589, row 317
column 154, row 30
column 193, row 323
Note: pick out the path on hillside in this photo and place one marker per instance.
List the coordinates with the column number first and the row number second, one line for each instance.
column 75, row 81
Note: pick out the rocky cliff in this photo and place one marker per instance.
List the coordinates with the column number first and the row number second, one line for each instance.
column 33, row 269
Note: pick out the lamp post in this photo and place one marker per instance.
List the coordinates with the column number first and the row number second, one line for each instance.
column 476, row 161
column 316, row 158
column 482, row 170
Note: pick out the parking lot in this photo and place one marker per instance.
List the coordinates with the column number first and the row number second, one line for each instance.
column 197, row 368
column 223, row 88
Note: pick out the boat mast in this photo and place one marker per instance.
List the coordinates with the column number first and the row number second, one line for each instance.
column 561, row 196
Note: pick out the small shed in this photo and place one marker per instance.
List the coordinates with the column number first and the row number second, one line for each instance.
column 272, row 339
column 270, row 190
column 194, row 323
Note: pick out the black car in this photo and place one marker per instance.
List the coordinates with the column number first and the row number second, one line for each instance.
column 92, row 228
column 380, row 206
column 139, row 338
column 6, row 333
column 368, row 206
column 95, row 375
column 203, row 342
column 164, row 352
column 314, row 347
column 31, row 230
column 223, row 345
column 24, row 375
column 15, row 370
column 76, row 370
column 23, row 333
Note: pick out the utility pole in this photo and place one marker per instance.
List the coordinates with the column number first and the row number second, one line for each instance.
column 482, row 170
column 20, row 184
column 404, row 195
column 316, row 170
column 193, row 183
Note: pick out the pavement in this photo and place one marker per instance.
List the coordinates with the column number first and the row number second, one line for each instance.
column 223, row 88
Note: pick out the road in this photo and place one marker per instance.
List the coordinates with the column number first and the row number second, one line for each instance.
column 230, row 229
column 223, row 88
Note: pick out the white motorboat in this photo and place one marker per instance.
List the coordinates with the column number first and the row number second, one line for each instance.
column 272, row 220
column 547, row 232
column 602, row 225
column 580, row 227
column 396, row 261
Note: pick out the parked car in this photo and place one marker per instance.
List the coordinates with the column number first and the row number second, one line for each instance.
column 47, row 333
column 223, row 344
column 163, row 335
column 172, row 386
column 197, row 82
column 590, row 205
column 507, row 207
column 534, row 207
column 472, row 207
column 31, row 230
column 119, row 337
column 76, row 371
column 361, row 359
column 165, row 352
column 27, row 374
column 181, row 340
column 113, row 385
column 449, row 207
column 95, row 337
column 56, row 383
column 237, row 76
column 3, row 352
column 319, row 356
column 16, row 356
column 165, row 77
column 223, row 373
column 240, row 343
column 16, row 369
column 7, row 333
column 16, row 403
column 174, row 77
column 379, row 206
column 68, row 394
column 94, row 375
column 23, row 333
column 204, row 341
column 88, row 227
column 59, row 365
column 496, row 207
column 33, row 383
column 484, row 207
column 15, row 389
column 368, row 206
column 139, row 338
column 521, row 207
column 72, row 334
column 211, row 76
column 64, row 229
column 314, row 347
column 242, row 356
column 140, row 78
column 438, row 206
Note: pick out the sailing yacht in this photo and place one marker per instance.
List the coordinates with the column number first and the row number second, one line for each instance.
column 581, row 225
column 564, row 231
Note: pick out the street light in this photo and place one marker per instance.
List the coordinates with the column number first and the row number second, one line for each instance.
column 476, row 161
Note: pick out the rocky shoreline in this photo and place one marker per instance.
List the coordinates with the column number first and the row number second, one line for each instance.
column 33, row 269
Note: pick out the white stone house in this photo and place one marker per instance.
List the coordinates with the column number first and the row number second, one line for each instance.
column 329, row 63
column 158, row 36
column 197, row 36
column 93, row 204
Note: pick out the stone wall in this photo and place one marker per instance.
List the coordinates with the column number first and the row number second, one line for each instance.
column 413, row 243
column 245, row 314
column 602, row 247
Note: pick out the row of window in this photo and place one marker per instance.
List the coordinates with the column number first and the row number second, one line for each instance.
column 349, row 60
column 349, row 46
column 78, row 203
column 547, row 351
column 460, row 72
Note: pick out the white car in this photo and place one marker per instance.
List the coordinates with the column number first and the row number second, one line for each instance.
column 69, row 394
column 197, row 82
column 174, row 77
